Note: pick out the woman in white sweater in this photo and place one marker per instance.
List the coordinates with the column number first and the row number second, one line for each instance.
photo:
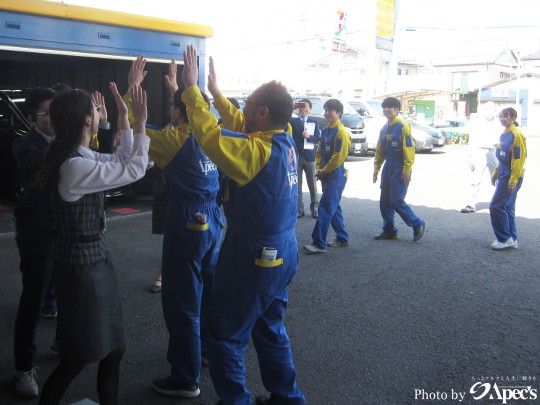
column 90, row 326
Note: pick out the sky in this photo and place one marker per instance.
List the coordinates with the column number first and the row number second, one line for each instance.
column 438, row 24
column 428, row 31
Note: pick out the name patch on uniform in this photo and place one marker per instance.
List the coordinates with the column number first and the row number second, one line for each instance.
column 394, row 144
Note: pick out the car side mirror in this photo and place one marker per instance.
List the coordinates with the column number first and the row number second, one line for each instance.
column 366, row 114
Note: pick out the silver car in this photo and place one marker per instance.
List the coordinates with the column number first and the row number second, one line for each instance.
column 425, row 138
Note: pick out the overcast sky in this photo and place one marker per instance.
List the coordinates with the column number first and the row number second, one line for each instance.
column 428, row 30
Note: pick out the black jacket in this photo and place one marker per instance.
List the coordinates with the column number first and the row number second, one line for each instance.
column 298, row 129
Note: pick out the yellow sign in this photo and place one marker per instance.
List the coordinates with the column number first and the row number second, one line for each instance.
column 385, row 19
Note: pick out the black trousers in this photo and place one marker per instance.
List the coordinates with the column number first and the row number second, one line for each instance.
column 37, row 273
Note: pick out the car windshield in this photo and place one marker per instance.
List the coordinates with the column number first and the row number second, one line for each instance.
column 349, row 109
column 377, row 105
column 318, row 109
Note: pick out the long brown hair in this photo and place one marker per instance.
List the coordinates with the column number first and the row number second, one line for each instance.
column 68, row 111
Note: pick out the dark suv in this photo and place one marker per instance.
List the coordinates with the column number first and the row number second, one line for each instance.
column 350, row 119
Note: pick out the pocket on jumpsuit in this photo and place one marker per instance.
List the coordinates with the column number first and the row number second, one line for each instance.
column 194, row 239
column 276, row 272
column 503, row 154
column 269, row 274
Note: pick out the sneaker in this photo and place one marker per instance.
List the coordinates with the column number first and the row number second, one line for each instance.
column 300, row 215
column 468, row 209
column 496, row 245
column 170, row 386
column 419, row 232
column 26, row 385
column 385, row 236
column 314, row 249
column 314, row 215
column 337, row 243
column 48, row 311
column 515, row 244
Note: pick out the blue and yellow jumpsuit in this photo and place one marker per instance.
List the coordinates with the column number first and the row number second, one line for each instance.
column 511, row 153
column 190, row 245
column 396, row 146
column 331, row 153
column 250, row 294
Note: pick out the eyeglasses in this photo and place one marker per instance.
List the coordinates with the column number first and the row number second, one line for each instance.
column 44, row 113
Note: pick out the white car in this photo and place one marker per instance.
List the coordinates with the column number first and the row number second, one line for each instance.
column 425, row 138
column 374, row 119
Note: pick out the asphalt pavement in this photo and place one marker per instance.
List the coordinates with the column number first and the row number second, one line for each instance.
column 439, row 321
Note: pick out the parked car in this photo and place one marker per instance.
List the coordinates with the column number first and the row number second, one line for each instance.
column 456, row 130
column 374, row 119
column 425, row 138
column 353, row 122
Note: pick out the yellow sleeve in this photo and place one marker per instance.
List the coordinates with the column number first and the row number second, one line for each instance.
column 289, row 129
column 408, row 148
column 94, row 143
column 380, row 156
column 519, row 155
column 318, row 157
column 165, row 144
column 339, row 156
column 232, row 118
column 240, row 157
column 131, row 120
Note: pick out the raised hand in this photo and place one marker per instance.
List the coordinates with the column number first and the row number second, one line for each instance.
column 123, row 121
column 98, row 99
column 136, row 72
column 139, row 108
column 212, row 80
column 190, row 73
column 170, row 79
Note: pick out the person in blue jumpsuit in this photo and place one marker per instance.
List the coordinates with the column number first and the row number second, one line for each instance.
column 193, row 228
column 396, row 147
column 259, row 256
column 330, row 158
column 511, row 152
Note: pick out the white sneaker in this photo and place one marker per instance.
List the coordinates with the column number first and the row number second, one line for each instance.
column 314, row 249
column 26, row 385
column 515, row 244
column 496, row 245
